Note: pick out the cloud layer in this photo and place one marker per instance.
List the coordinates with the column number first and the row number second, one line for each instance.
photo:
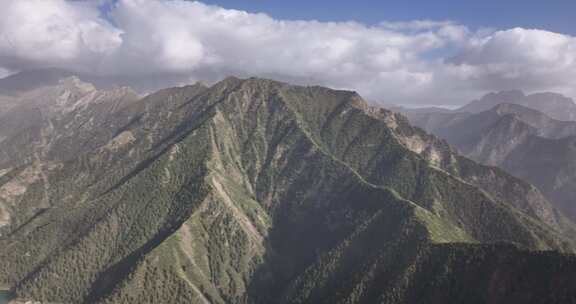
column 410, row 62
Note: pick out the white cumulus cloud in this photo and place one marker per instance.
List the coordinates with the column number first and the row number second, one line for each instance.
column 53, row 32
column 521, row 58
column 418, row 61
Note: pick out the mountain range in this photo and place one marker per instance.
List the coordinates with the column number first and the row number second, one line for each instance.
column 554, row 105
column 28, row 80
column 257, row 191
column 516, row 137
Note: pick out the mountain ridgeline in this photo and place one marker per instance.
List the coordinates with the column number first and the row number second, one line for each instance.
column 255, row 191
column 554, row 105
column 518, row 138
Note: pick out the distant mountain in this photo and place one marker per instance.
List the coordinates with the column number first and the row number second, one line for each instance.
column 32, row 79
column 32, row 124
column 545, row 126
column 401, row 109
column 554, row 105
column 29, row 80
column 256, row 191
column 523, row 141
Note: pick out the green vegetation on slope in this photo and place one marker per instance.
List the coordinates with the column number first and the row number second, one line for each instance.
column 254, row 191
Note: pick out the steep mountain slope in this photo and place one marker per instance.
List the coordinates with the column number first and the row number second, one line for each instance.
column 254, row 191
column 46, row 116
column 554, row 105
column 545, row 126
column 550, row 164
column 524, row 142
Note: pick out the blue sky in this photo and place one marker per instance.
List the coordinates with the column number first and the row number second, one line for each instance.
column 553, row 15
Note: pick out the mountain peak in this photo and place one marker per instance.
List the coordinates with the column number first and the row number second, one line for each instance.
column 74, row 83
column 510, row 108
column 554, row 105
column 506, row 94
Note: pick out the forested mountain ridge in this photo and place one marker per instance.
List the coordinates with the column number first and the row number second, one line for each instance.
column 255, row 191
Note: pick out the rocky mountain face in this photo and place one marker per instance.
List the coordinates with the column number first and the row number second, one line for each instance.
column 554, row 105
column 40, row 121
column 522, row 141
column 255, row 191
